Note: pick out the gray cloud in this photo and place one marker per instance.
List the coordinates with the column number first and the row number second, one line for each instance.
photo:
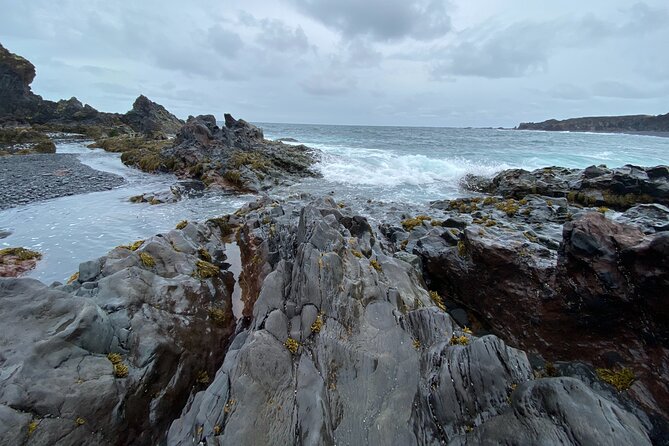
column 328, row 84
column 277, row 36
column 381, row 19
column 516, row 50
column 350, row 61
column 569, row 92
column 622, row 90
column 224, row 41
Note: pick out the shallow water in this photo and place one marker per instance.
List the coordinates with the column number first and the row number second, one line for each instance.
column 404, row 165
column 70, row 230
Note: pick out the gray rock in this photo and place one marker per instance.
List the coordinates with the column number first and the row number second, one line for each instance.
column 385, row 367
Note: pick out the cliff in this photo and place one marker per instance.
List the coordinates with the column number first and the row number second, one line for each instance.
column 19, row 105
column 612, row 124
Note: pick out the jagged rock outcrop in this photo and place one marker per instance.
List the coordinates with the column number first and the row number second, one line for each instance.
column 339, row 343
column 16, row 98
column 609, row 124
column 111, row 358
column 619, row 188
column 235, row 156
column 345, row 346
column 19, row 105
column 151, row 119
column 555, row 278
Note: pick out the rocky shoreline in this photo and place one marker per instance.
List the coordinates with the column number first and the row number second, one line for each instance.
column 532, row 311
column 31, row 178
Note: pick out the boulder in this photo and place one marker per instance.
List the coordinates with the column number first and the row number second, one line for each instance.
column 618, row 188
column 111, row 358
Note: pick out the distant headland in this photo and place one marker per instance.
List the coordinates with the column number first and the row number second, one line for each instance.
column 639, row 124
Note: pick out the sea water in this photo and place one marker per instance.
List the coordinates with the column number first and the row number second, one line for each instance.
column 417, row 165
column 404, row 165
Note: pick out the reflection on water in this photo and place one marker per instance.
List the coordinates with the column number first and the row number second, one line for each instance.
column 70, row 230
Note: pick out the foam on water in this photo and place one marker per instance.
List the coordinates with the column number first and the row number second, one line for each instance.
column 403, row 165
column 416, row 165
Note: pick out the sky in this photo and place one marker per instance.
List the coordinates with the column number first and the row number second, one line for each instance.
column 448, row 63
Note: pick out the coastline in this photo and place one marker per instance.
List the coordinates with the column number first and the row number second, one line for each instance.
column 637, row 133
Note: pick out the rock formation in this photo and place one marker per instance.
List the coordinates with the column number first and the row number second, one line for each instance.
column 339, row 343
column 112, row 357
column 235, row 156
column 608, row 124
column 149, row 118
column 618, row 188
column 19, row 105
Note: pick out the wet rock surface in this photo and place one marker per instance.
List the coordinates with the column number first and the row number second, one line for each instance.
column 110, row 358
column 336, row 317
column 340, row 342
column 235, row 156
column 618, row 188
column 556, row 278
column 31, row 178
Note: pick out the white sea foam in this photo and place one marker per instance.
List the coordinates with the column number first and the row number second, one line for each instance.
column 372, row 167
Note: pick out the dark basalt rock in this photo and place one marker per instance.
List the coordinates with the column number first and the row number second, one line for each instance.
column 609, row 124
column 111, row 358
column 17, row 101
column 235, row 156
column 558, row 279
column 149, row 118
column 329, row 315
column 618, row 188
column 20, row 106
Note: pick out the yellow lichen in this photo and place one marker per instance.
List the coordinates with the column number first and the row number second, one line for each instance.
column 217, row 430
column 462, row 248
column 416, row 344
column 229, row 405
column 74, row 277
column 466, row 330
column 219, row 316
column 20, row 253
column 358, row 254
column 292, row 345
column 147, row 260
column 204, row 255
column 115, row 358
column 603, row 209
column 79, row 421
column 202, row 377
column 133, row 247
column 510, row 207
column 32, row 427
column 182, row 224
column 206, row 270
column 621, row 379
column 318, row 324
column 438, row 301
column 120, row 370
column 375, row 264
column 459, row 340
column 410, row 223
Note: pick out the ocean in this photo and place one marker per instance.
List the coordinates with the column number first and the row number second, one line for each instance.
column 404, row 165
column 419, row 164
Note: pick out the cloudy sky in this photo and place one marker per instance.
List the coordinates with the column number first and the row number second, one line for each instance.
column 374, row 62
